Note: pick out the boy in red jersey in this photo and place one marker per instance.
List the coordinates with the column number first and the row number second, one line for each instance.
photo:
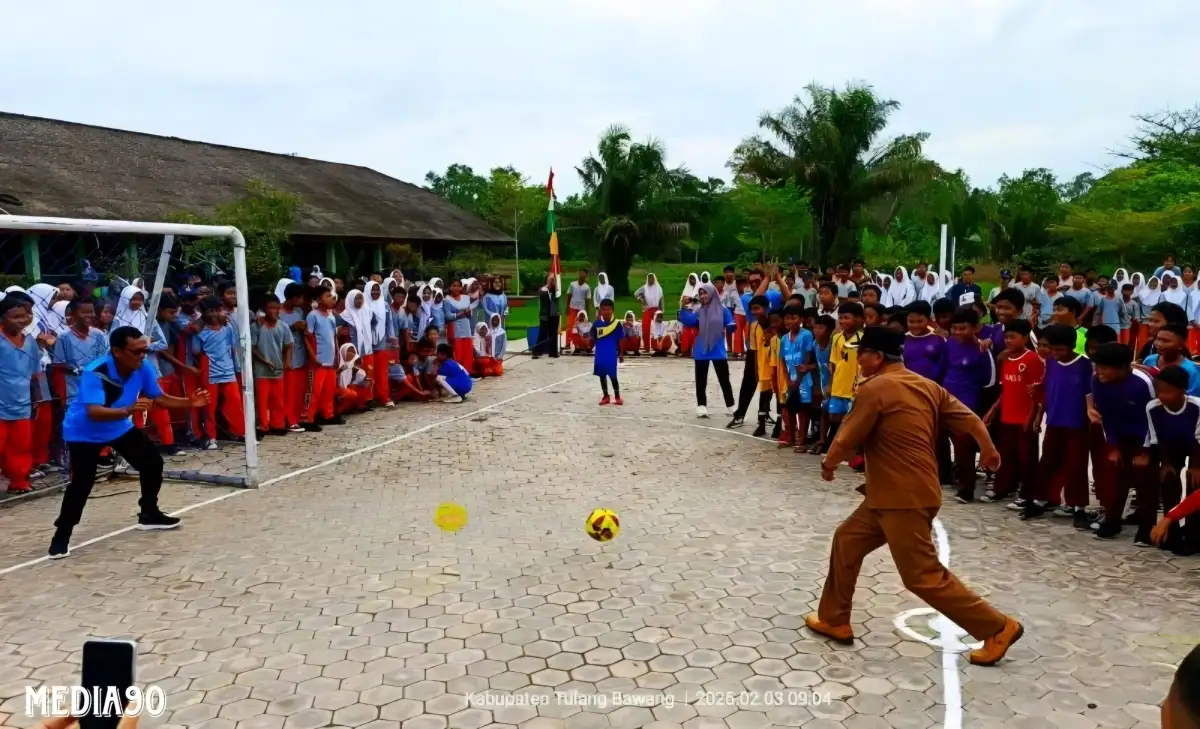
column 1020, row 417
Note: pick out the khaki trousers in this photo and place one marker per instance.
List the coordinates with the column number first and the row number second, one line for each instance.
column 908, row 533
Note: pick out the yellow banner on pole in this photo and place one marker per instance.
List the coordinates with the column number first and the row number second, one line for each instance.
column 554, row 243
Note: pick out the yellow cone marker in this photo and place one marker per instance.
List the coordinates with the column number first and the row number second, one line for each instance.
column 450, row 517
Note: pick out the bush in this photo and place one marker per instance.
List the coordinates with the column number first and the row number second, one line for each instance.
column 532, row 280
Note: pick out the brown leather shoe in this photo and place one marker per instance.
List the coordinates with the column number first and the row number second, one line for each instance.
column 995, row 647
column 843, row 634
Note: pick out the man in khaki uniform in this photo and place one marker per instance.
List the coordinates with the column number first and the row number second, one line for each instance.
column 895, row 419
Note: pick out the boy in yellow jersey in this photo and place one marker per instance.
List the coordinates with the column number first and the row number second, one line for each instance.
column 775, row 331
column 843, row 361
column 765, row 371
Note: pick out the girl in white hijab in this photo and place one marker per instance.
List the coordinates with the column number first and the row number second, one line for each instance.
column 482, row 343
column 661, row 340
column 705, row 277
column 380, row 357
column 358, row 316
column 1138, row 280
column 691, row 289
column 930, row 291
column 631, row 336
column 131, row 309
column 604, row 290
column 1172, row 291
column 886, row 300
column 281, row 289
column 651, row 296
column 44, row 296
column 903, row 291
column 499, row 344
column 352, row 391
column 581, row 334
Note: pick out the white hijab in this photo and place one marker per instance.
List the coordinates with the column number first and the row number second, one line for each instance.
column 425, row 312
column 1151, row 296
column 691, row 288
column 59, row 311
column 903, row 291
column 348, row 373
column 483, row 340
column 437, row 285
column 398, row 276
column 658, row 327
column 126, row 317
column 930, row 291
column 886, row 300
column 1174, row 294
column 332, row 286
column 582, row 326
column 360, row 319
column 43, row 296
column 499, row 336
column 1139, row 282
column 281, row 289
column 652, row 292
column 379, row 308
column 705, row 277
column 604, row 289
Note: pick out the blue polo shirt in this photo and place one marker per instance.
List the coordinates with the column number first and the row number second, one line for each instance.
column 456, row 377
column 18, row 366
column 117, row 393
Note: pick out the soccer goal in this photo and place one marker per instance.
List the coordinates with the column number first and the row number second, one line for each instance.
column 169, row 232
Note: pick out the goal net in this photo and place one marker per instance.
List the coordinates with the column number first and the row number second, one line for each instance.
column 156, row 257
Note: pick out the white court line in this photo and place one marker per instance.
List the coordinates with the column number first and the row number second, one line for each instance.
column 302, row 471
column 950, row 643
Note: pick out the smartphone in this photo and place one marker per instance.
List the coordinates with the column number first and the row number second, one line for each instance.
column 107, row 665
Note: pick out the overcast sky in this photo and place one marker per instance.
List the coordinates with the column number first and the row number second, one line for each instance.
column 406, row 86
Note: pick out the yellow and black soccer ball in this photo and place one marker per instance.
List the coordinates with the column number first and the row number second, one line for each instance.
column 603, row 525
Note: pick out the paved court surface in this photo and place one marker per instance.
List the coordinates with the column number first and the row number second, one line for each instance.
column 330, row 599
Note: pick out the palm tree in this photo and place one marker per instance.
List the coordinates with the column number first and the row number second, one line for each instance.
column 828, row 147
column 632, row 200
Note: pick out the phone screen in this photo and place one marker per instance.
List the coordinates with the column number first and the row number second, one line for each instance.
column 106, row 663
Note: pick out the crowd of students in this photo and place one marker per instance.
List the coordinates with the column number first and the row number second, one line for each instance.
column 319, row 352
column 1085, row 381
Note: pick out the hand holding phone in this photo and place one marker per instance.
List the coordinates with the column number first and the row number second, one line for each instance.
column 107, row 664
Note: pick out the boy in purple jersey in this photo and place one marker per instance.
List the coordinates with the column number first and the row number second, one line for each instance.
column 1064, row 463
column 1006, row 307
column 1117, row 403
column 1103, row 474
column 923, row 348
column 969, row 370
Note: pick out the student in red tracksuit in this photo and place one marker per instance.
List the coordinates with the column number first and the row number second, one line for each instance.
column 295, row 370
column 321, row 343
column 168, row 368
column 217, row 347
column 20, row 361
column 271, row 346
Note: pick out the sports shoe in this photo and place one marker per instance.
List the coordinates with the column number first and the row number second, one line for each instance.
column 843, row 634
column 997, row 646
column 35, row 474
column 761, row 430
column 1107, row 531
column 295, row 428
column 618, row 401
column 1080, row 520
column 60, row 546
column 1032, row 510
column 336, row 420
column 1066, row 512
column 606, row 400
column 211, row 444
column 737, row 422
column 701, row 411
column 157, row 520
column 452, row 400
column 172, row 450
column 311, row 428
column 389, row 404
column 1017, row 504
column 277, row 431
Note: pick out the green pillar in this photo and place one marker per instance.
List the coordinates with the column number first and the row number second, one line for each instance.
column 377, row 258
column 33, row 260
column 131, row 255
column 330, row 257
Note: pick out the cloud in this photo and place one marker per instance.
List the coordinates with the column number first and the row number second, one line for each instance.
column 1001, row 85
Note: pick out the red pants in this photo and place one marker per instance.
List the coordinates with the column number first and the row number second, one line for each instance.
column 647, row 319
column 630, row 344
column 1141, row 337
column 1018, row 461
column 464, row 353
column 661, row 344
column 15, row 459
column 191, row 383
column 379, row 376
column 42, row 430
column 225, row 397
column 409, row 389
column 1064, row 466
column 687, row 339
column 736, row 340
column 1125, row 337
column 323, row 387
column 488, row 367
column 1113, row 491
column 268, row 400
column 295, row 385
column 160, row 417
column 352, row 398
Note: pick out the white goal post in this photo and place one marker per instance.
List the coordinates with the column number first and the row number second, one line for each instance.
column 169, row 231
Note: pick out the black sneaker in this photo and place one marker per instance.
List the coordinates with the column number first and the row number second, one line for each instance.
column 761, row 430
column 963, row 498
column 1081, row 520
column 737, row 422
column 336, row 420
column 159, row 520
column 1032, row 510
column 277, row 431
column 259, row 435
column 777, row 430
column 312, row 427
column 1108, row 530
column 60, row 546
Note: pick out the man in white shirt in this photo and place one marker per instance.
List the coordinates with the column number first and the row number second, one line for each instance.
column 1026, row 286
column 579, row 295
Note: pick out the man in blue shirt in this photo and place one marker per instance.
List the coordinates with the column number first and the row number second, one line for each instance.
column 111, row 390
column 966, row 285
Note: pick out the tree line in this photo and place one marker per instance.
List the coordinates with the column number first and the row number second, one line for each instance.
column 821, row 181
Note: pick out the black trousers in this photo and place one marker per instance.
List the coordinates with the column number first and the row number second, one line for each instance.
column 135, row 448
column 547, row 342
column 722, row 369
column 749, row 385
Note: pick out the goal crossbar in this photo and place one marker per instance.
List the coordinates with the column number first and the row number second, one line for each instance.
column 169, row 231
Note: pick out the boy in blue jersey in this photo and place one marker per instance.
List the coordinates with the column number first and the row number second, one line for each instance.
column 606, row 336
column 797, row 352
column 452, row 379
column 823, row 328
column 217, row 348
column 1170, row 344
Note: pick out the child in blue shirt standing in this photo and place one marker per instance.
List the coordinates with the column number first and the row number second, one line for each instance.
column 216, row 344
column 606, row 334
column 797, row 357
column 20, row 361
